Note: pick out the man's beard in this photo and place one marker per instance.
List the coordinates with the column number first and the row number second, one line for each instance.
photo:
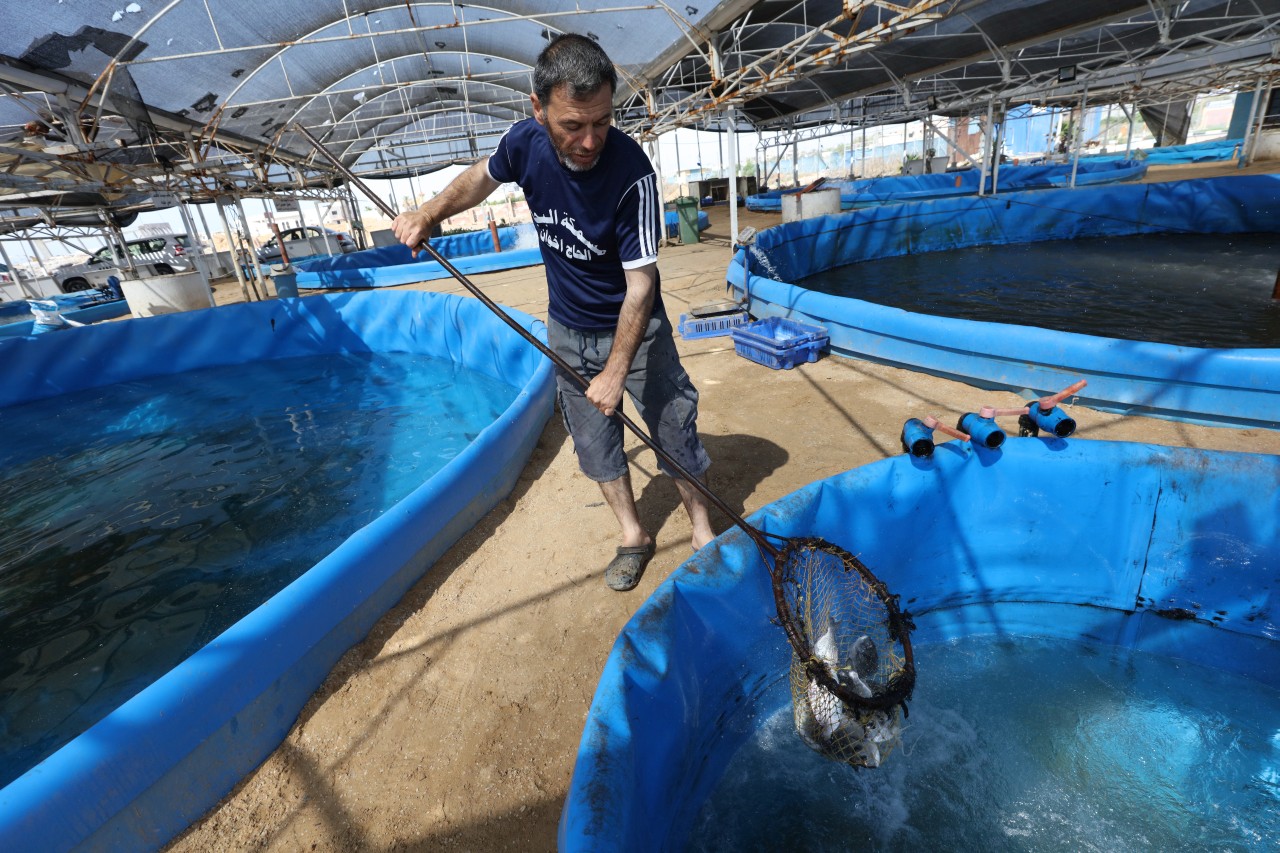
column 565, row 155
column 575, row 166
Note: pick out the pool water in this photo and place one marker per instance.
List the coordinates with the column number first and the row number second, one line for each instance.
column 1021, row 745
column 1196, row 290
column 140, row 520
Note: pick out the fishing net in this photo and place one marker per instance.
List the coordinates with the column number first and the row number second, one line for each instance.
column 852, row 669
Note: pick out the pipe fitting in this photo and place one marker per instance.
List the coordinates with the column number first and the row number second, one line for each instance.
column 1052, row 420
column 917, row 439
column 984, row 431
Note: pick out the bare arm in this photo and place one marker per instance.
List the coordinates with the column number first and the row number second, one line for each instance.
column 464, row 192
column 605, row 391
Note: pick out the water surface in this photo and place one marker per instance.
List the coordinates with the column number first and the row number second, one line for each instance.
column 140, row 520
column 1024, row 745
column 1196, row 290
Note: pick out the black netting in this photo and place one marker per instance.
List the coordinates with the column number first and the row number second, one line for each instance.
column 852, row 669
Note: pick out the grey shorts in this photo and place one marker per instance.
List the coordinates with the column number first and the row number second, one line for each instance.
column 658, row 386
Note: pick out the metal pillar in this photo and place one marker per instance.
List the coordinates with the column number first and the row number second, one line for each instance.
column 986, row 150
column 1128, row 140
column 248, row 239
column 118, row 236
column 733, row 172
column 1078, row 141
column 947, row 139
column 191, row 230
column 998, row 146
column 675, row 139
column 1260, row 119
column 17, row 276
column 1248, row 125
column 231, row 249
column 795, row 162
column 862, row 164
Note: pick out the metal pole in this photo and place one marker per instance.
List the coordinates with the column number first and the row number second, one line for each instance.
column 231, row 250
column 357, row 220
column 998, row 145
column 1261, row 120
column 1248, row 127
column 947, row 139
column 1079, row 136
column 17, row 276
column 733, row 172
column 675, row 139
column 118, row 236
column 795, row 161
column 209, row 236
column 248, row 239
column 986, row 150
column 191, row 230
column 1128, row 140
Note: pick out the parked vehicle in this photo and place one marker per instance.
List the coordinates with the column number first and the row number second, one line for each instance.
column 309, row 240
column 163, row 254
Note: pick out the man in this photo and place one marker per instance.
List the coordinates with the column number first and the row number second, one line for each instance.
column 598, row 214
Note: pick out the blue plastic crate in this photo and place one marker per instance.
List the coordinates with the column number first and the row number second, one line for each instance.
column 711, row 327
column 780, row 343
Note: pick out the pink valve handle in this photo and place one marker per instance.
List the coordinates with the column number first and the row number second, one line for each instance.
column 932, row 423
column 990, row 412
column 1052, row 400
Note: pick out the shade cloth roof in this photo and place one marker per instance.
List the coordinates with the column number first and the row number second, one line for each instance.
column 199, row 96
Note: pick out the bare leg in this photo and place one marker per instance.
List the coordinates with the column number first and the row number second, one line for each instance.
column 618, row 494
column 695, row 503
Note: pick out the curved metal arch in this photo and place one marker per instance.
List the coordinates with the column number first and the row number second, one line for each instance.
column 390, row 88
column 392, row 127
column 351, row 116
column 481, row 122
column 467, row 139
column 413, row 116
column 211, row 126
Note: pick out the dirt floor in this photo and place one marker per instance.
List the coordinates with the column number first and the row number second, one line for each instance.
column 455, row 724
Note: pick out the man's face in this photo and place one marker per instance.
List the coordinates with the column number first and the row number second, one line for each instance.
column 577, row 127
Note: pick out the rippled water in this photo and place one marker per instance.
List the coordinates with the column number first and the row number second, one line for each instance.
column 138, row 521
column 1198, row 290
column 1025, row 745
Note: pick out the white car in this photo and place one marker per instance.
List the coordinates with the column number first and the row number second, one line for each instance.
column 163, row 254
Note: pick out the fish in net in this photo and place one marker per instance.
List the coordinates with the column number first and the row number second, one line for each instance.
column 851, row 669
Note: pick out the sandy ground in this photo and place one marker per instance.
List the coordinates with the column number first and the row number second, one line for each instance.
column 455, row 724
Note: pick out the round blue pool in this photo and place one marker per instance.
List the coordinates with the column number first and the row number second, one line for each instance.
column 1095, row 631
column 286, row 426
column 1238, row 386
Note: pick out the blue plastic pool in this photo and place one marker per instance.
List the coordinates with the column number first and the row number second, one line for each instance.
column 1126, row 549
column 1199, row 385
column 147, row 769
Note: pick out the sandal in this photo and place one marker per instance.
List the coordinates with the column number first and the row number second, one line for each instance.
column 625, row 570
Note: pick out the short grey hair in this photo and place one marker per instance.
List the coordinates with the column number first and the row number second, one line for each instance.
column 575, row 61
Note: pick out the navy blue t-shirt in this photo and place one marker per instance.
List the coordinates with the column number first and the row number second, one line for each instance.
column 591, row 225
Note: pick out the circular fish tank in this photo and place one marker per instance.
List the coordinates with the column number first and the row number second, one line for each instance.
column 1097, row 653
column 1215, row 380
column 204, row 512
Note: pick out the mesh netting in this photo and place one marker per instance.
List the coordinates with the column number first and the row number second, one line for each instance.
column 851, row 669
